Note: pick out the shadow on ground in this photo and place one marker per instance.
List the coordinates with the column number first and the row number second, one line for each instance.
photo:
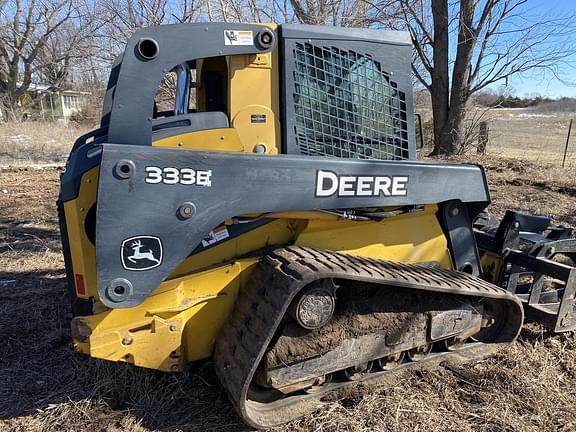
column 27, row 236
column 38, row 368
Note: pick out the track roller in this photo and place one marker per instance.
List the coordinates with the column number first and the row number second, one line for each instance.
column 419, row 353
column 392, row 361
column 319, row 385
column 356, row 373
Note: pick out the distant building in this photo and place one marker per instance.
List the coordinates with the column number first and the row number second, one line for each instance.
column 42, row 102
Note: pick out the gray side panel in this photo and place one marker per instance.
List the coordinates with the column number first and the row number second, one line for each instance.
column 240, row 184
column 130, row 98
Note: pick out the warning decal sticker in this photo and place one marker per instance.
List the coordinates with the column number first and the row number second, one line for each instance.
column 215, row 236
column 238, row 37
column 258, row 118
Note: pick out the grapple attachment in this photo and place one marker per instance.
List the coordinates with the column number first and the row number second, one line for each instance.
column 534, row 260
column 546, row 287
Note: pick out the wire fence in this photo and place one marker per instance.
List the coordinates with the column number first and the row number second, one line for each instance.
column 532, row 136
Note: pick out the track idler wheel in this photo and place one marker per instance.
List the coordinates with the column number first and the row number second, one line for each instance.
column 419, row 353
column 493, row 321
column 391, row 362
column 314, row 305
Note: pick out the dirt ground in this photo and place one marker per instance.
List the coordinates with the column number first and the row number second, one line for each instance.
column 45, row 386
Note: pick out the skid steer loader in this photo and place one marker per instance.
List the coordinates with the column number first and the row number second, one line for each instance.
column 275, row 218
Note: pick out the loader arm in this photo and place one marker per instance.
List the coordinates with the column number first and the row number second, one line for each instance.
column 240, row 184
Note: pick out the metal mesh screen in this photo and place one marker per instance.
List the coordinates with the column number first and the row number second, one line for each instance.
column 346, row 106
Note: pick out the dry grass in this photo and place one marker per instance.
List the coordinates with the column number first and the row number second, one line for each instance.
column 537, row 188
column 528, row 135
column 521, row 133
column 31, row 142
column 45, row 386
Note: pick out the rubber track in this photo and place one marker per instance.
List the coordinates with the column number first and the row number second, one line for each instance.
column 278, row 278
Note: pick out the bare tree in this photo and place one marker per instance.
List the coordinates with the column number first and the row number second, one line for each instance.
column 344, row 13
column 121, row 18
column 38, row 38
column 463, row 46
column 65, row 60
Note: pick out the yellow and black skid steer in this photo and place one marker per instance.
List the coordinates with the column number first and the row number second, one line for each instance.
column 275, row 218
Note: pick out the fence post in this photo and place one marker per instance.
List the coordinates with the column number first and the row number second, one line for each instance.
column 567, row 141
column 482, row 137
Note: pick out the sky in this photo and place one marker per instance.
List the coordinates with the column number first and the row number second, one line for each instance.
column 549, row 86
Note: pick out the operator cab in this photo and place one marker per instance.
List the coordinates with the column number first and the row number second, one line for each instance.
column 184, row 104
column 262, row 88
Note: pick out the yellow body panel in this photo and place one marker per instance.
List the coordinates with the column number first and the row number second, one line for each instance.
column 255, row 78
column 176, row 325
column 217, row 140
column 277, row 232
column 197, row 302
column 82, row 250
column 395, row 239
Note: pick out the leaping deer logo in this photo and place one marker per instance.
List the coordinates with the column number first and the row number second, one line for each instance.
column 141, row 253
column 138, row 255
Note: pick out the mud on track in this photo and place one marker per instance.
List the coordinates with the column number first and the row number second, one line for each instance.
column 45, row 386
column 360, row 310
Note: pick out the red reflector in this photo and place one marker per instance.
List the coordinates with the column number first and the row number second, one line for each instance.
column 80, row 290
